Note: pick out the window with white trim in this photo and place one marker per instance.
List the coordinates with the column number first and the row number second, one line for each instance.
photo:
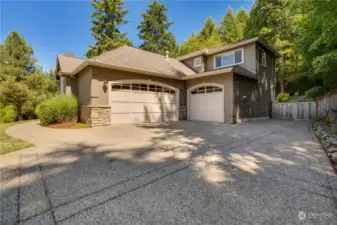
column 206, row 89
column 229, row 59
column 197, row 62
column 138, row 87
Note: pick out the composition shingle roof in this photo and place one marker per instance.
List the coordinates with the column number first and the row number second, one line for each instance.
column 68, row 64
column 138, row 59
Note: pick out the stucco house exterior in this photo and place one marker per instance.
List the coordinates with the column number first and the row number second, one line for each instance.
column 230, row 84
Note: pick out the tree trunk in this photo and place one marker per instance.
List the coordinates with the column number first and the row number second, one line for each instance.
column 19, row 113
column 282, row 89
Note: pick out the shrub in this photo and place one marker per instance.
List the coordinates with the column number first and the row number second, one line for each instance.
column 283, row 97
column 8, row 114
column 327, row 119
column 59, row 109
column 37, row 111
column 333, row 130
column 315, row 92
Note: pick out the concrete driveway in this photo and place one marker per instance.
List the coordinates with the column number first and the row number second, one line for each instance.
column 268, row 172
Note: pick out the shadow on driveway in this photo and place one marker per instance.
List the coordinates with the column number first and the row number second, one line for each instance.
column 183, row 173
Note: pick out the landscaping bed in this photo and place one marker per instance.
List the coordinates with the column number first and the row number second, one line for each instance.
column 326, row 132
column 9, row 144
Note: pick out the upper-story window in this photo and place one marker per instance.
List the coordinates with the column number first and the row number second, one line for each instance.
column 262, row 58
column 229, row 59
column 197, row 62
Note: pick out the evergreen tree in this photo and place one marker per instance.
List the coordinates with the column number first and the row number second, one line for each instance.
column 242, row 18
column 274, row 21
column 208, row 30
column 190, row 45
column 317, row 40
column 108, row 16
column 16, row 57
column 230, row 28
column 153, row 30
column 172, row 46
column 207, row 38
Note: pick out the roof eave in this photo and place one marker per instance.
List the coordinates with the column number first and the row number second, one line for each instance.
column 122, row 68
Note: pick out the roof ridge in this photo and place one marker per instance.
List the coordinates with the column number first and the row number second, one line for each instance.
column 105, row 53
column 150, row 52
column 70, row 56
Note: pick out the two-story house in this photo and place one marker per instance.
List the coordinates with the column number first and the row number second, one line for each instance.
column 232, row 83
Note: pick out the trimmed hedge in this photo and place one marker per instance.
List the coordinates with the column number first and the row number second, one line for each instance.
column 60, row 109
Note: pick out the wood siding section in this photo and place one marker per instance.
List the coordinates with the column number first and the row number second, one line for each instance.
column 294, row 110
column 253, row 98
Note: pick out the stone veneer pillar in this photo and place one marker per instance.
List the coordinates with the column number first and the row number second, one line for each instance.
column 95, row 115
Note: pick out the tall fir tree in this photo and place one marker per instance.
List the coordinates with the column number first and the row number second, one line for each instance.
column 242, row 18
column 208, row 37
column 153, row 30
column 271, row 20
column 208, row 30
column 107, row 18
column 230, row 28
column 16, row 57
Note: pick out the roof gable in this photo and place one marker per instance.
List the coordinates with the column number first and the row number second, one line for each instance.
column 66, row 64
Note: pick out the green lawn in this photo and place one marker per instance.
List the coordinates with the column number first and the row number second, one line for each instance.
column 9, row 144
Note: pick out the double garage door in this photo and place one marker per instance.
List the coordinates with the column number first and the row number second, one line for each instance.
column 142, row 102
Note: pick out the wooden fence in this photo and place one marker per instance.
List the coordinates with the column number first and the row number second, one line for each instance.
column 326, row 103
column 294, row 110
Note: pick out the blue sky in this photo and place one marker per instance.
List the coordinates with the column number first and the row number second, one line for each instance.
column 53, row 27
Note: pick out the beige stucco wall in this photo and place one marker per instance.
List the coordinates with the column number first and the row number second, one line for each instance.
column 190, row 64
column 100, row 75
column 71, row 85
column 84, row 86
column 249, row 58
column 223, row 79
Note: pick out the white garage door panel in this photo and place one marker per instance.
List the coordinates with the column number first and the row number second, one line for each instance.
column 197, row 106
column 206, row 103
column 134, row 106
column 214, row 106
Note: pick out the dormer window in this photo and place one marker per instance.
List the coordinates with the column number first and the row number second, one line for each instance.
column 197, row 62
column 229, row 59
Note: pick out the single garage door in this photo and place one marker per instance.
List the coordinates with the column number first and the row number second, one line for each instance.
column 206, row 103
column 142, row 102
